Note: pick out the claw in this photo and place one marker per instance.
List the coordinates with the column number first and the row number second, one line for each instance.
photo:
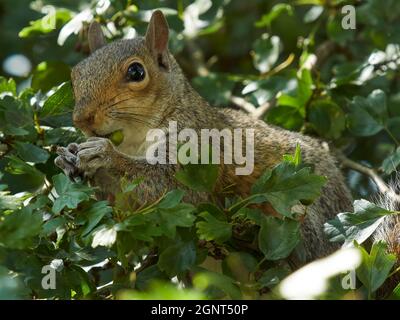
column 66, row 155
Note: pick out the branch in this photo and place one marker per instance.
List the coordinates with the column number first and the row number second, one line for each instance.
column 254, row 112
column 380, row 183
column 243, row 104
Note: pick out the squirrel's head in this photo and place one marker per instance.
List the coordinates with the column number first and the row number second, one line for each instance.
column 125, row 85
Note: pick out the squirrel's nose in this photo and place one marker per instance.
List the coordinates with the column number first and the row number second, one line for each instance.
column 83, row 119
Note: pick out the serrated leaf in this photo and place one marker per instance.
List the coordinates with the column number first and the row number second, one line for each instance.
column 359, row 225
column 286, row 185
column 177, row 258
column 368, row 116
column 213, row 229
column 375, row 266
column 277, row 238
column 69, row 194
column 391, row 163
column 179, row 216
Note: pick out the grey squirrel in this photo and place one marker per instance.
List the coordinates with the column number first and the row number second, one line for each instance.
column 136, row 85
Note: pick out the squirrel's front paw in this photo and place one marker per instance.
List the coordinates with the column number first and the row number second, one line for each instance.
column 94, row 154
column 66, row 160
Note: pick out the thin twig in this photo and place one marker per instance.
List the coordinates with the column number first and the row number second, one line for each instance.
column 260, row 112
column 380, row 183
column 243, row 104
column 254, row 112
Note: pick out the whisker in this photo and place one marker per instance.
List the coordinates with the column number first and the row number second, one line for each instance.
column 118, row 102
column 130, row 118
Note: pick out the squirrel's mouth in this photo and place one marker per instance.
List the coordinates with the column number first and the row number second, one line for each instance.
column 116, row 137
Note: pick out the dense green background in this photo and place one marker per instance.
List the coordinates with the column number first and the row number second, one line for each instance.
column 244, row 54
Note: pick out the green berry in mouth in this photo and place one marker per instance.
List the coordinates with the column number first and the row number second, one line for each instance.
column 117, row 137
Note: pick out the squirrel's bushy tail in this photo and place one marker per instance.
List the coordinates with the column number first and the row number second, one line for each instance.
column 389, row 230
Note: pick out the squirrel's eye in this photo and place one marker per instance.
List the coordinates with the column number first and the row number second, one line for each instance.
column 136, row 72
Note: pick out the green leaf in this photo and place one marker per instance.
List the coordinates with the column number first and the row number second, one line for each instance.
column 294, row 159
column 31, row 178
column 375, row 266
column 49, row 74
column 213, row 229
column 42, row 26
column 359, row 225
column 304, row 87
column 327, row 118
column 271, row 277
column 266, row 52
column 368, row 116
column 52, row 225
column 179, row 216
column 303, row 94
column 8, row 87
column 171, row 199
column 69, row 194
column 287, row 185
column 240, row 266
column 177, row 258
column 31, row 153
column 199, row 177
column 391, row 163
column 57, row 109
column 396, row 293
column 277, row 238
column 206, row 280
column 254, row 214
column 16, row 117
column 286, row 117
column 18, row 229
column 92, row 215
column 275, row 12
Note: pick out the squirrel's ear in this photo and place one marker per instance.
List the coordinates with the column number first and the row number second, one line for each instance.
column 95, row 37
column 157, row 39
